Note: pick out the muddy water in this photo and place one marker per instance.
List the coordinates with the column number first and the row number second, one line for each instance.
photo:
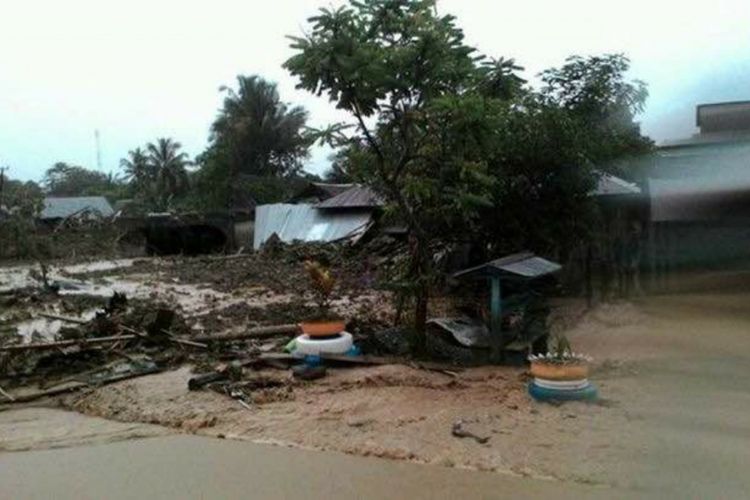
column 187, row 467
column 44, row 428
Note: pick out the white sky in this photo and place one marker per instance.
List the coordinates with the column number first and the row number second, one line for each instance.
column 138, row 70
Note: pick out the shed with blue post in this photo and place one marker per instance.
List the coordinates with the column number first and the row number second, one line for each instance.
column 516, row 269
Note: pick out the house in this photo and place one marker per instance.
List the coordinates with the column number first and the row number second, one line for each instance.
column 90, row 207
column 345, row 216
column 699, row 194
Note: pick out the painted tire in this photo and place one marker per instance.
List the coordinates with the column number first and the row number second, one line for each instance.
column 549, row 371
column 588, row 393
column 311, row 346
column 322, row 328
column 562, row 385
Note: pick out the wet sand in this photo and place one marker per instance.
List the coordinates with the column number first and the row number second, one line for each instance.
column 190, row 467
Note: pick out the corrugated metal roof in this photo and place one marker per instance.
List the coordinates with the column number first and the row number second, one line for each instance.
column 307, row 223
column 61, row 207
column 524, row 264
column 610, row 185
column 319, row 191
column 354, row 197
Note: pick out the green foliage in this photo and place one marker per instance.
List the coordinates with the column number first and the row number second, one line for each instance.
column 167, row 165
column 141, row 175
column 257, row 143
column 20, row 204
column 258, row 133
column 157, row 175
column 25, row 198
column 63, row 179
column 410, row 70
column 596, row 92
column 458, row 145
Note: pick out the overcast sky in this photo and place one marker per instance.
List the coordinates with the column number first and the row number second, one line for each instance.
column 141, row 69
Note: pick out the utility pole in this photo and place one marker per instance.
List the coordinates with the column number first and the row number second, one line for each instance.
column 2, row 184
column 98, row 150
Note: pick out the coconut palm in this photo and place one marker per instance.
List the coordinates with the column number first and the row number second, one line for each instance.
column 260, row 134
column 139, row 172
column 169, row 167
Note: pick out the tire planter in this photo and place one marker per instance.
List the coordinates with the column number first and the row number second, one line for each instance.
column 551, row 371
column 562, row 385
column 322, row 328
column 307, row 345
column 587, row 393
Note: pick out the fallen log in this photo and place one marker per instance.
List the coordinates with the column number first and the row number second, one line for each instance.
column 204, row 379
column 379, row 360
column 65, row 343
column 11, row 398
column 365, row 361
column 167, row 335
column 260, row 332
column 26, row 398
column 66, row 319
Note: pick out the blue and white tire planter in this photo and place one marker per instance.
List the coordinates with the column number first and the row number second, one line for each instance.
column 561, row 381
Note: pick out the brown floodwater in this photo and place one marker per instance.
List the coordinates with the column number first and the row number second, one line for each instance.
column 191, row 467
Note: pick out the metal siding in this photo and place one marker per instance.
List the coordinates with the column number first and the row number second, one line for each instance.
column 59, row 208
column 355, row 197
column 307, row 223
column 611, row 185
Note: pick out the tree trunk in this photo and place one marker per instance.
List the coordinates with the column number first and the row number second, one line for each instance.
column 420, row 279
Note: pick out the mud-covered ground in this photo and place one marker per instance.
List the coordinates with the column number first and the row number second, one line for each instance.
column 671, row 371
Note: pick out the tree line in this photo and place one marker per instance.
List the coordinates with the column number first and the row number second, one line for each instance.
column 461, row 147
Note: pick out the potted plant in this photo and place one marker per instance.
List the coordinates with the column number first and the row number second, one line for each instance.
column 560, row 363
column 324, row 323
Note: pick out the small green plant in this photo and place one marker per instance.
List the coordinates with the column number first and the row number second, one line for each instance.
column 560, row 347
column 322, row 284
column 560, row 352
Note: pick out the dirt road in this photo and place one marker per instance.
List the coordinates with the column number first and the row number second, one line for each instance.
column 672, row 372
column 678, row 365
column 189, row 467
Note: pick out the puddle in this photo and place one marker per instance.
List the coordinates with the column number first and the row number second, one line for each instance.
column 44, row 329
column 15, row 277
column 99, row 265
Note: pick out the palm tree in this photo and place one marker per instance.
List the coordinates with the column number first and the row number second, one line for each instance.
column 168, row 166
column 139, row 172
column 263, row 135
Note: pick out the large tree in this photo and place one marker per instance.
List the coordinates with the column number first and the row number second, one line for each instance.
column 459, row 145
column 595, row 91
column 63, row 179
column 168, row 164
column 141, row 175
column 261, row 134
column 255, row 135
column 412, row 86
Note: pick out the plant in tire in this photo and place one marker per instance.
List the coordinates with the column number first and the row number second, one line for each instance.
column 322, row 283
column 560, row 362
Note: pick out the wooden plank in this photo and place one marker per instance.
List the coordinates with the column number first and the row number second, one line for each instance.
column 66, row 319
column 65, row 343
column 260, row 332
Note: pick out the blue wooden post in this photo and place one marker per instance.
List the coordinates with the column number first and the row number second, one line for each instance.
column 496, row 318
